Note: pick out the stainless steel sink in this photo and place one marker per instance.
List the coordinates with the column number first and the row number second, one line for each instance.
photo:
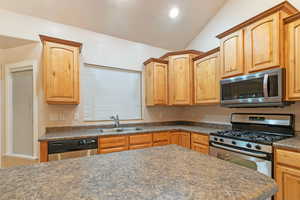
column 105, row 130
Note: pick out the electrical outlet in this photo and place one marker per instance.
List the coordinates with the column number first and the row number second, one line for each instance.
column 76, row 116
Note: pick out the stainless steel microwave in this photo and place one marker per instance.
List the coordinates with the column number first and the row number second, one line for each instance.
column 262, row 89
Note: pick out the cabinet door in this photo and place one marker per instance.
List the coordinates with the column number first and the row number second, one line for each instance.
column 61, row 73
column 293, row 60
column 200, row 148
column 232, row 54
column 262, row 44
column 160, row 83
column 288, row 180
column 180, row 80
column 207, row 80
column 181, row 138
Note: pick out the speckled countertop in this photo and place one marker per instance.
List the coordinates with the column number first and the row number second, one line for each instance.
column 290, row 144
column 158, row 173
column 81, row 133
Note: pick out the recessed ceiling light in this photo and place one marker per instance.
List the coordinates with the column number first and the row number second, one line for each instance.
column 174, row 12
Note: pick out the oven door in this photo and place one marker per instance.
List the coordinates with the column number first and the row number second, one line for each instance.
column 263, row 87
column 258, row 164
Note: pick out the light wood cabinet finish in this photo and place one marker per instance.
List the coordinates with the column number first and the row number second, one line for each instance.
column 262, row 43
column 200, row 143
column 160, row 139
column 181, row 80
column 44, row 152
column 287, row 174
column 232, row 54
column 156, row 77
column 207, row 80
column 109, row 144
column 140, row 139
column 181, row 138
column 61, row 72
column 293, row 59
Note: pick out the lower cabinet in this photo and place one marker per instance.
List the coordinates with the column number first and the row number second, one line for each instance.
column 181, row 138
column 161, row 138
column 109, row 144
column 140, row 141
column 200, row 143
column 287, row 174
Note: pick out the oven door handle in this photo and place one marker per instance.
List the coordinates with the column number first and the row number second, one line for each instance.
column 260, row 155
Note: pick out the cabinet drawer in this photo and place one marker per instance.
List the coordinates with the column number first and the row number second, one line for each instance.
column 288, row 158
column 140, row 146
column 140, row 139
column 200, row 148
column 158, row 137
column 114, row 141
column 201, row 139
column 114, row 149
column 160, row 143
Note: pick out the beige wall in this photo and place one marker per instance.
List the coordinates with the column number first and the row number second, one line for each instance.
column 232, row 13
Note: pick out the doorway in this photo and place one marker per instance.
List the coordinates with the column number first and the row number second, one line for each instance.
column 21, row 128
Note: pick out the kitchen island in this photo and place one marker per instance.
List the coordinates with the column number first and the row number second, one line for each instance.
column 168, row 172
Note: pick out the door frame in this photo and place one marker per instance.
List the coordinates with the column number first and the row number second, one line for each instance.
column 17, row 67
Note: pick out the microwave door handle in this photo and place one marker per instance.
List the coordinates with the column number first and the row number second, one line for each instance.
column 265, row 86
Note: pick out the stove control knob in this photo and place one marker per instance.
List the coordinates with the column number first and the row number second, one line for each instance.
column 233, row 142
column 258, row 147
column 221, row 140
column 216, row 139
column 249, row 145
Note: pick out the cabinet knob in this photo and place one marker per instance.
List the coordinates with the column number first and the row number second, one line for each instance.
column 53, row 73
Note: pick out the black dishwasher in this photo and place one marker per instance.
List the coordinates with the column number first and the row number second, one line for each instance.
column 62, row 149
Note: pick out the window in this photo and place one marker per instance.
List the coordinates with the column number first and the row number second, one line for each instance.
column 110, row 91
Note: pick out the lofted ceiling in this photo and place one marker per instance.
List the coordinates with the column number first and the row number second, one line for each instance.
column 10, row 42
column 145, row 21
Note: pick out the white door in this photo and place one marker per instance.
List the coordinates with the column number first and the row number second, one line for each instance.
column 20, row 104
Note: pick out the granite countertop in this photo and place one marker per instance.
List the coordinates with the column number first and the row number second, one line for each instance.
column 290, row 143
column 83, row 133
column 168, row 172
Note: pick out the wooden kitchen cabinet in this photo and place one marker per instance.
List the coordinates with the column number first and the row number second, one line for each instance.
column 292, row 46
column 256, row 44
column 287, row 174
column 207, row 78
column 140, row 141
column 181, row 79
column 161, row 138
column 156, row 82
column 109, row 144
column 262, row 43
column 181, row 138
column 200, row 142
column 232, row 54
column 61, row 70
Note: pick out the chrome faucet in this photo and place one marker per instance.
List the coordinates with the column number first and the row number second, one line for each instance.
column 116, row 120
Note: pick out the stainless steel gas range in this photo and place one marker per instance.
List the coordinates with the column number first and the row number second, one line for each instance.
column 249, row 142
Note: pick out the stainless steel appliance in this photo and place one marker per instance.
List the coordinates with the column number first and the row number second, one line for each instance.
column 64, row 149
column 262, row 89
column 249, row 142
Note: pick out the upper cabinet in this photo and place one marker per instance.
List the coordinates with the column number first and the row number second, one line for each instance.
column 180, row 80
column 156, row 82
column 207, row 78
column 232, row 54
column 61, row 70
column 262, row 43
column 292, row 29
column 256, row 44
